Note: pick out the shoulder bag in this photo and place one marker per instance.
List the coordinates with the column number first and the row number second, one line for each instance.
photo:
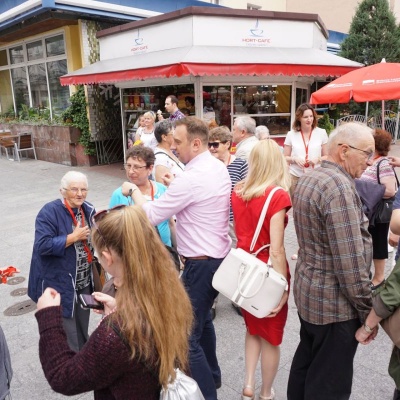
column 385, row 206
column 249, row 282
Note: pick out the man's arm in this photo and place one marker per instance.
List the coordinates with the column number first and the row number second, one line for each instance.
column 351, row 248
column 178, row 196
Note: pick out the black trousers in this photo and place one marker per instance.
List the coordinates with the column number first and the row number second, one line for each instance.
column 322, row 366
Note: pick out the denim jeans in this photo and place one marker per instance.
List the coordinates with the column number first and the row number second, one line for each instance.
column 197, row 277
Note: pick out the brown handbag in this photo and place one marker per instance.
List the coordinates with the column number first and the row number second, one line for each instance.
column 391, row 325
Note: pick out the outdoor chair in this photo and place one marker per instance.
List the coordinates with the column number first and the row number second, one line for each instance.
column 24, row 143
column 7, row 144
column 351, row 118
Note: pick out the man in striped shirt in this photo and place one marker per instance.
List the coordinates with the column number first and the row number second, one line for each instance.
column 332, row 287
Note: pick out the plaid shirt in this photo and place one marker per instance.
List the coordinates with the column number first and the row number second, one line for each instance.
column 335, row 249
column 176, row 115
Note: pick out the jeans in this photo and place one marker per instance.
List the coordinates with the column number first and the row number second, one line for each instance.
column 197, row 277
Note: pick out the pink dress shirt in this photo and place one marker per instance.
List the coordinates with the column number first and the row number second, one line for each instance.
column 199, row 197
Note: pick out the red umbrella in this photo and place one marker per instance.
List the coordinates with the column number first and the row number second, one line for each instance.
column 375, row 82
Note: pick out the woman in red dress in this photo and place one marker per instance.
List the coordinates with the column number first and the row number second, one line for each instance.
column 267, row 169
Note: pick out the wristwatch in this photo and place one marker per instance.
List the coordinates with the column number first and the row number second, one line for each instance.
column 368, row 329
column 131, row 190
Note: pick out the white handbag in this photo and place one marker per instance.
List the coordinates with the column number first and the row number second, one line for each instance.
column 182, row 388
column 249, row 282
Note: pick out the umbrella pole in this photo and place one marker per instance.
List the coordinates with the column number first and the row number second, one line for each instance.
column 396, row 136
column 366, row 112
column 383, row 114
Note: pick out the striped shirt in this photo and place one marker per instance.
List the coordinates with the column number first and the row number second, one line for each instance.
column 335, row 249
column 237, row 172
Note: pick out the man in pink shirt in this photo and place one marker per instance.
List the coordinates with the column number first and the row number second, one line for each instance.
column 199, row 197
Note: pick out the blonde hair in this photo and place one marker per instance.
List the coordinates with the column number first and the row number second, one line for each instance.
column 267, row 167
column 154, row 310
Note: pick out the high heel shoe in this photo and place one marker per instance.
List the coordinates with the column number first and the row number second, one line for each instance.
column 244, row 397
column 270, row 397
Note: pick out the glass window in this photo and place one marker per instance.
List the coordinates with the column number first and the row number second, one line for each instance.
column 35, row 50
column 6, row 99
column 301, row 96
column 20, row 86
column 55, row 46
column 3, row 58
column 59, row 94
column 37, row 80
column 217, row 104
column 16, row 55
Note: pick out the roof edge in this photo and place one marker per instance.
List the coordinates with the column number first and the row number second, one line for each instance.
column 212, row 11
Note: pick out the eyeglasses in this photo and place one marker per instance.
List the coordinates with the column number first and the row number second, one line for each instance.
column 100, row 215
column 128, row 167
column 215, row 144
column 369, row 154
column 76, row 190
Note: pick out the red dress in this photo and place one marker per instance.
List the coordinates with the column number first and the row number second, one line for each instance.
column 245, row 216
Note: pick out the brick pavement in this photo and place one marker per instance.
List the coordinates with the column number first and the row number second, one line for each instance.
column 26, row 186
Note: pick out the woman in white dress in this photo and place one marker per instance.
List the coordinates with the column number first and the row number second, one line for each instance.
column 166, row 161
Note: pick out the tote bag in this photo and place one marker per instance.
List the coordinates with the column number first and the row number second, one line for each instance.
column 249, row 282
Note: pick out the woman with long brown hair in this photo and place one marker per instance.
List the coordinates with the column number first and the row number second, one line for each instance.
column 144, row 335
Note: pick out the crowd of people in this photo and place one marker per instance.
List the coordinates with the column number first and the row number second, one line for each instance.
column 190, row 193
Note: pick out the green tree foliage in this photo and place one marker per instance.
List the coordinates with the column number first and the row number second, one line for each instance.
column 373, row 34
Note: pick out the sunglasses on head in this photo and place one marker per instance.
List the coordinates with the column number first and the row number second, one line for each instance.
column 100, row 215
column 215, row 144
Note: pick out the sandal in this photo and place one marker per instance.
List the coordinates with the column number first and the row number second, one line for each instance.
column 270, row 397
column 245, row 397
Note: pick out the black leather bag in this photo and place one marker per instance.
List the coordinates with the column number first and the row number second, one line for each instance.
column 384, row 208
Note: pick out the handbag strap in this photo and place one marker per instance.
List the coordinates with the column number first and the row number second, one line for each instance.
column 261, row 221
column 377, row 173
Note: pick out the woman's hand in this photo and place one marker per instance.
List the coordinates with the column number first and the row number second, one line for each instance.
column 283, row 301
column 315, row 161
column 299, row 161
column 109, row 302
column 393, row 239
column 49, row 298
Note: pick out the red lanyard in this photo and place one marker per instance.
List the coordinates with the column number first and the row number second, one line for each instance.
column 306, row 147
column 151, row 191
column 85, row 245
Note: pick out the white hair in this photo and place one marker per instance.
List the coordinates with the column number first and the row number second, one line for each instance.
column 247, row 124
column 262, row 132
column 72, row 176
column 350, row 132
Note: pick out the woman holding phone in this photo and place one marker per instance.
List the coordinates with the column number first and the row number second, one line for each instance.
column 142, row 338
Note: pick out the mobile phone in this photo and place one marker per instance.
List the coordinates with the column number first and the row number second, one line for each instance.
column 88, row 301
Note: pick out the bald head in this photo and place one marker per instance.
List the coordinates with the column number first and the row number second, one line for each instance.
column 352, row 146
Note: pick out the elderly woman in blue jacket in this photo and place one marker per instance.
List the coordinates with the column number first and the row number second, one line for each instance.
column 62, row 254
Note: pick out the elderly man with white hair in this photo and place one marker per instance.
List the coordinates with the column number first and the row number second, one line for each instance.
column 62, row 254
column 243, row 133
column 331, row 286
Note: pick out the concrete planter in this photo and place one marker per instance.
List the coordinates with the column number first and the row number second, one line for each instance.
column 56, row 144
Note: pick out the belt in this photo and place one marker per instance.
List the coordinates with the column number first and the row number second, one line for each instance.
column 183, row 258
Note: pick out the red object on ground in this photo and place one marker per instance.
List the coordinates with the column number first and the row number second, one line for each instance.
column 6, row 273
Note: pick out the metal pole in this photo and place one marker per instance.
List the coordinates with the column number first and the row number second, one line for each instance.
column 383, row 114
column 396, row 136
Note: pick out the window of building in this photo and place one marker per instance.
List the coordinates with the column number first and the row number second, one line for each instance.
column 31, row 77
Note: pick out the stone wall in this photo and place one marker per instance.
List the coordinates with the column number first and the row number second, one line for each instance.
column 56, row 144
